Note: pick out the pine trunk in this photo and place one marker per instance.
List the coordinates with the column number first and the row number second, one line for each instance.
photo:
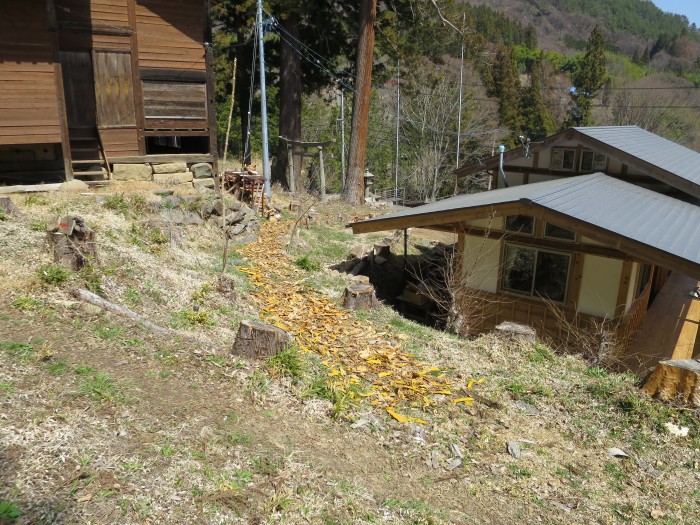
column 290, row 103
column 354, row 188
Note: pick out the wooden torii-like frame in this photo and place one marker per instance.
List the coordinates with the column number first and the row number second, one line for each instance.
column 304, row 146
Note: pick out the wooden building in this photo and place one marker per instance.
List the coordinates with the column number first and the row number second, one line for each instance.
column 597, row 223
column 87, row 84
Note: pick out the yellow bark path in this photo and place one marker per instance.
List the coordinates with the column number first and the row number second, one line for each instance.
column 362, row 362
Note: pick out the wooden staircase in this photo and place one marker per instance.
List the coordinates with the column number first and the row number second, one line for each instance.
column 88, row 157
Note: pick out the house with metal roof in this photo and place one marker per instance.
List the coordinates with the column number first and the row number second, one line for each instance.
column 601, row 224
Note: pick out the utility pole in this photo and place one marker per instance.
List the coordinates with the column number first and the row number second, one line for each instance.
column 398, row 120
column 461, row 81
column 263, row 105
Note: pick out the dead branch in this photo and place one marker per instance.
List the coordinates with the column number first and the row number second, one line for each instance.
column 89, row 297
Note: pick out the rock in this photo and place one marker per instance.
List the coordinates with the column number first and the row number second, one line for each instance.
column 358, row 252
column 615, row 452
column 454, row 463
column 91, row 309
column 657, row 514
column 202, row 170
column 203, row 190
column 513, row 448
column 204, row 183
column 180, row 216
column 173, row 201
column 171, row 167
column 237, row 229
column 7, row 206
column 516, row 331
column 132, row 172
column 247, row 239
column 675, row 430
column 527, row 408
column 172, row 179
column 73, row 185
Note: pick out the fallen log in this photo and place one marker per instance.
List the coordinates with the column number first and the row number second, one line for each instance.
column 259, row 340
column 675, row 380
column 89, row 297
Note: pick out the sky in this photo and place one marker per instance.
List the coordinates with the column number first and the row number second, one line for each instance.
column 689, row 8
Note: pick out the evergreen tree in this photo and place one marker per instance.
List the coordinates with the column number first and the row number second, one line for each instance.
column 588, row 79
column 504, row 84
column 536, row 120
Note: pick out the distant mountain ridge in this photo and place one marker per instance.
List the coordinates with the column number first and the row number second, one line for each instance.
column 564, row 25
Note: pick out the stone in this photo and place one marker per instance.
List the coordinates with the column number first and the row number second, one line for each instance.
column 202, row 170
column 358, row 252
column 173, row 178
column 180, row 216
column 132, row 172
column 7, row 206
column 247, row 239
column 205, row 183
column 170, row 167
column 237, row 229
column 73, row 185
column 516, row 331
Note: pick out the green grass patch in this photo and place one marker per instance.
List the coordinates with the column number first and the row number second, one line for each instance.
column 39, row 226
column 287, row 362
column 19, row 351
column 26, row 303
column 308, row 264
column 53, row 274
column 100, row 387
column 192, row 319
column 57, row 368
column 9, row 512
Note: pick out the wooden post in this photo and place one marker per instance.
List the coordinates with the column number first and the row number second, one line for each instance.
column 290, row 164
column 322, row 174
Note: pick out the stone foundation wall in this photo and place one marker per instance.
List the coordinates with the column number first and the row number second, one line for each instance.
column 198, row 176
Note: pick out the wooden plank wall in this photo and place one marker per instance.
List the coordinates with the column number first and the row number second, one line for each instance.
column 170, row 34
column 114, row 89
column 29, row 111
column 94, row 24
column 173, row 104
column 120, row 142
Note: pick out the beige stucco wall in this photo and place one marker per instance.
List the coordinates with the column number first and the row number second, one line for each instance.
column 492, row 223
column 599, row 286
column 480, row 263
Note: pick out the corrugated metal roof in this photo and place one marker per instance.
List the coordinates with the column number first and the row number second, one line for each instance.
column 626, row 210
column 658, row 151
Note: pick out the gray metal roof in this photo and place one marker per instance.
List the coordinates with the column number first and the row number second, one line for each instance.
column 619, row 208
column 653, row 149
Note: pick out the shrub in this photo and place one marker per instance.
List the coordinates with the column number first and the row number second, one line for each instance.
column 288, row 362
column 308, row 264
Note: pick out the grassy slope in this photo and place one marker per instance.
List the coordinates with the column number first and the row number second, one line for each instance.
column 103, row 422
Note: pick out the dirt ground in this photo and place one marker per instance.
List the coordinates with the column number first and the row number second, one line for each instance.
column 103, row 421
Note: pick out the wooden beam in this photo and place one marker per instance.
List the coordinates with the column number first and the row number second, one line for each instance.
column 59, row 91
column 177, row 157
column 211, row 102
column 136, row 80
column 623, row 289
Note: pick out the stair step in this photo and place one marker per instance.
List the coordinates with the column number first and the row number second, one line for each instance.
column 88, row 161
column 89, row 174
column 84, row 150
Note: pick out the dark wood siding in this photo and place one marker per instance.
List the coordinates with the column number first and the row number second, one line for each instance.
column 94, row 24
column 170, row 34
column 28, row 103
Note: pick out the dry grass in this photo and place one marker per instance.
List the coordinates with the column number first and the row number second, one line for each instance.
column 103, row 422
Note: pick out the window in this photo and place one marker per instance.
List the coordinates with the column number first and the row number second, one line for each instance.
column 592, row 161
column 520, row 224
column 534, row 272
column 555, row 232
column 563, row 159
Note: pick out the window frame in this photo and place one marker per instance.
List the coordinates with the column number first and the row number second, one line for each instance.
column 532, row 294
column 521, row 232
column 562, row 151
column 595, row 166
column 555, row 238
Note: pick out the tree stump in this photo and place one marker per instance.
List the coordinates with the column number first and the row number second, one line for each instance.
column 259, row 340
column 72, row 243
column 358, row 296
column 675, row 380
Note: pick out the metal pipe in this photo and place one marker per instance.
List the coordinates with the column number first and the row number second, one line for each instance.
column 263, row 105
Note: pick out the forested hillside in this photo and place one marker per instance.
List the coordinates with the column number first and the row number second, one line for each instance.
column 529, row 68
